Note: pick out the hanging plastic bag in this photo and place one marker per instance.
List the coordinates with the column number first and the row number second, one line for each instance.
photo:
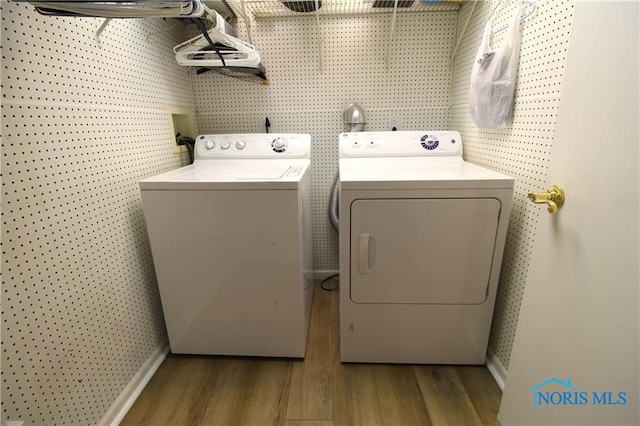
column 493, row 77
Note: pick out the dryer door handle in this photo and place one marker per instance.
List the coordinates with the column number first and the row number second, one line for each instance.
column 366, row 253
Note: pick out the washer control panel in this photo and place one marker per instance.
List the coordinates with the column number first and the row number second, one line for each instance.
column 253, row 145
column 400, row 144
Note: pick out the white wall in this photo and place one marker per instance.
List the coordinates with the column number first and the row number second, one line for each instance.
column 80, row 126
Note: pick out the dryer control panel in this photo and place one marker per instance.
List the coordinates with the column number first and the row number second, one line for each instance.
column 401, row 144
column 253, row 145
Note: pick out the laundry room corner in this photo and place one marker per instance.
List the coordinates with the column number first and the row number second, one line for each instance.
column 180, row 178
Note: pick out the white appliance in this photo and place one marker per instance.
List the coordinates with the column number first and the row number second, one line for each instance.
column 421, row 239
column 230, row 238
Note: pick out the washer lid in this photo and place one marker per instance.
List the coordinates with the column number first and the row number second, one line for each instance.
column 417, row 173
column 232, row 174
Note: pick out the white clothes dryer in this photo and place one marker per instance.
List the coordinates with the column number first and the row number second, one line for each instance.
column 230, row 237
column 422, row 234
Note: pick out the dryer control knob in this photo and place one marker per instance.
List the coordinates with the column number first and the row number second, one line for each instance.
column 429, row 142
column 278, row 145
column 241, row 144
column 225, row 145
column 209, row 144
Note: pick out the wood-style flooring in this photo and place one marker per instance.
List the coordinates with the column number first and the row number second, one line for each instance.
column 316, row 391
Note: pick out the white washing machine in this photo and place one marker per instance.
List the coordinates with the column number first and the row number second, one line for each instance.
column 231, row 242
column 421, row 239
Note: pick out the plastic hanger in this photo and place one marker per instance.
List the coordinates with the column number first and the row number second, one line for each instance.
column 215, row 48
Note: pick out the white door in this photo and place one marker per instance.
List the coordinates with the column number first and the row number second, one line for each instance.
column 575, row 356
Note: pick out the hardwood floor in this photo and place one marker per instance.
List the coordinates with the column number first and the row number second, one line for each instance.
column 316, row 391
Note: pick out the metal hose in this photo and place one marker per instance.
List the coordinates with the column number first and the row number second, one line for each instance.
column 354, row 116
column 334, row 203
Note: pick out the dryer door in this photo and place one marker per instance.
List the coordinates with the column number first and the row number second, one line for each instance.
column 422, row 251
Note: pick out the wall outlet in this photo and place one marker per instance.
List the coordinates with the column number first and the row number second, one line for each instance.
column 394, row 123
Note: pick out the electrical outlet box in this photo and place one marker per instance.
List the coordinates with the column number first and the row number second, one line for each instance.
column 394, row 123
column 181, row 120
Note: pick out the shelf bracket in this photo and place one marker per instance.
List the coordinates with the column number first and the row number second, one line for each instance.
column 391, row 36
column 464, row 30
column 319, row 36
column 100, row 30
column 247, row 21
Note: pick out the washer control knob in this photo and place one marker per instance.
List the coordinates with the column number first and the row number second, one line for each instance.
column 241, row 144
column 225, row 145
column 279, row 145
column 209, row 144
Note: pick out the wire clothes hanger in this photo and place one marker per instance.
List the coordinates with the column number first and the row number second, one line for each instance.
column 534, row 9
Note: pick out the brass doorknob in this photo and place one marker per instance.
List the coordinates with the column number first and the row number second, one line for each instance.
column 553, row 198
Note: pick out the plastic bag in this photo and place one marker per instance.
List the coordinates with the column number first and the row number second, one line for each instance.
column 493, row 77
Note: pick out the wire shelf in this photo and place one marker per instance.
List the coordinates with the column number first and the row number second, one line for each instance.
column 273, row 9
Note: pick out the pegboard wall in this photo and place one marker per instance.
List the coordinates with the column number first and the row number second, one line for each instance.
column 80, row 126
column 303, row 97
column 523, row 148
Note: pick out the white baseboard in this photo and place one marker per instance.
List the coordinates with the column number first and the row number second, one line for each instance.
column 496, row 368
column 131, row 392
column 323, row 273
